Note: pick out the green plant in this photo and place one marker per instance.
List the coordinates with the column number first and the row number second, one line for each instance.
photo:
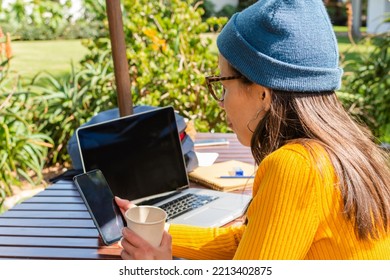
column 47, row 19
column 242, row 4
column 62, row 105
column 368, row 85
column 24, row 149
column 227, row 11
column 168, row 58
column 209, row 9
column 30, row 17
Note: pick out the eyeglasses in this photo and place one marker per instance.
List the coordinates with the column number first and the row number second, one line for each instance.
column 215, row 86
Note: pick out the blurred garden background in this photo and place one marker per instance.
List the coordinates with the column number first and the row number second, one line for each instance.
column 56, row 71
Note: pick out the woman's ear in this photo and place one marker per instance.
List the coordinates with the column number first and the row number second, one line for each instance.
column 266, row 97
column 261, row 93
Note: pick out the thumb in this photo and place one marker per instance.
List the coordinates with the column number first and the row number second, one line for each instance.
column 123, row 204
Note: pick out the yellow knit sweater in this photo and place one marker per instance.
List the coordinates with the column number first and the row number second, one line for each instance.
column 296, row 213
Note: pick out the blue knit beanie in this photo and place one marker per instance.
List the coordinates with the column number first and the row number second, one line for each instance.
column 283, row 44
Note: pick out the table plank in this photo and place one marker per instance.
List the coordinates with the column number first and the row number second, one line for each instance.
column 49, row 232
column 234, row 150
column 54, row 199
column 58, row 253
column 54, row 192
column 62, row 185
column 64, row 223
column 66, row 242
column 47, row 214
column 50, row 207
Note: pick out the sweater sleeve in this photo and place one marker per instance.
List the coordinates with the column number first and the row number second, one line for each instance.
column 192, row 242
column 282, row 218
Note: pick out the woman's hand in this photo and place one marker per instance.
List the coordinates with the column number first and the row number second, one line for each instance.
column 136, row 248
column 124, row 204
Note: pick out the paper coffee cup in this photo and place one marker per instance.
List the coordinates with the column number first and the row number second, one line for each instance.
column 148, row 222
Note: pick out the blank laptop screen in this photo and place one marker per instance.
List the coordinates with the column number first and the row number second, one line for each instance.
column 140, row 155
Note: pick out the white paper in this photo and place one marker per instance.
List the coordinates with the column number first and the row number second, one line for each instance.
column 206, row 159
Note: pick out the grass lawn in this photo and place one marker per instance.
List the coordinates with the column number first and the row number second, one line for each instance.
column 31, row 57
column 344, row 29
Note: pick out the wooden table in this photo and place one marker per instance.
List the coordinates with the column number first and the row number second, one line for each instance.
column 55, row 223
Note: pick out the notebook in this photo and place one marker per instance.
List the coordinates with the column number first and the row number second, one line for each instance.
column 141, row 157
column 221, row 176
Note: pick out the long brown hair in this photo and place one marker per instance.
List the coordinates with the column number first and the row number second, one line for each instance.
column 360, row 165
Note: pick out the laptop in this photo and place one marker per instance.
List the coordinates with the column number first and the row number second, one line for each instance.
column 141, row 158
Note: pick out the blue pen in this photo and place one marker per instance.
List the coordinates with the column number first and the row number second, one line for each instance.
column 236, row 177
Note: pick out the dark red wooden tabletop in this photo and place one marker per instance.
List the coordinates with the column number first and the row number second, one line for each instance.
column 55, row 223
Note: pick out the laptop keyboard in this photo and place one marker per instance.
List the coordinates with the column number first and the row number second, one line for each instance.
column 185, row 204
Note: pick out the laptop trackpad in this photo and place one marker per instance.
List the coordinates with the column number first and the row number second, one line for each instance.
column 210, row 217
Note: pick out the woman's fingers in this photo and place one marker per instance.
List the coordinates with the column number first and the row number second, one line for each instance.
column 136, row 248
column 134, row 239
column 124, row 204
column 125, row 255
column 166, row 240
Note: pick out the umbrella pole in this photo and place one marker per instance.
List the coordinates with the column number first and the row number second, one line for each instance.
column 121, row 68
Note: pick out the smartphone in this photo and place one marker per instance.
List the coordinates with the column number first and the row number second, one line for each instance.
column 98, row 198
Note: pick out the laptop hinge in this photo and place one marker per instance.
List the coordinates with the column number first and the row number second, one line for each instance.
column 158, row 199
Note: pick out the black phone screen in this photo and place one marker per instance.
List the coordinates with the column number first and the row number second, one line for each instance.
column 100, row 202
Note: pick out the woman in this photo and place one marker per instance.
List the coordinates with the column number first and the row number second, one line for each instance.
column 322, row 188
